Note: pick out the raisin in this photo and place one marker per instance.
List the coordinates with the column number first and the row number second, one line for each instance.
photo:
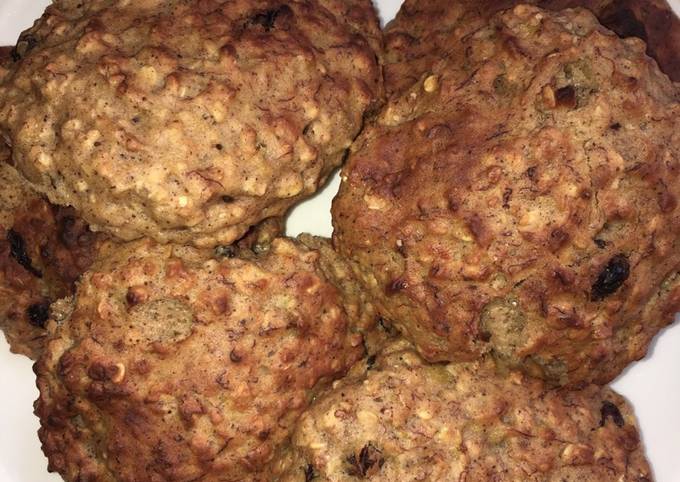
column 601, row 243
column 531, row 173
column 17, row 247
column 557, row 238
column 370, row 361
column 38, row 313
column 227, row 199
column 234, row 356
column 507, row 195
column 611, row 278
column 134, row 296
column 309, row 473
column 267, row 19
column 387, row 326
column 369, row 461
column 395, row 286
column 609, row 410
column 566, row 97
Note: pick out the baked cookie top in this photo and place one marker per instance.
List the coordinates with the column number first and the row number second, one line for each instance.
column 188, row 121
column 521, row 199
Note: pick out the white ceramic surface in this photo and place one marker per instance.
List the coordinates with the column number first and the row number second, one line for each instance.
column 652, row 385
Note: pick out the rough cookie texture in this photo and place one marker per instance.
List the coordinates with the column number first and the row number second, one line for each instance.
column 522, row 200
column 356, row 300
column 414, row 42
column 43, row 250
column 184, row 120
column 175, row 366
column 395, row 418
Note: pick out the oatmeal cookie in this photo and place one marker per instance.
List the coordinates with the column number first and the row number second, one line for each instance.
column 521, row 200
column 396, row 418
column 177, row 366
column 188, row 121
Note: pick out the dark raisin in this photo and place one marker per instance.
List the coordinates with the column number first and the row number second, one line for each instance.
column 234, row 356
column 614, row 274
column 227, row 199
column 566, row 97
column 507, row 195
column 133, row 296
column 387, row 326
column 267, row 19
column 369, row 461
column 609, row 410
column 309, row 473
column 624, row 22
column 97, row 372
column 615, row 126
column 38, row 313
column 558, row 237
column 219, row 147
column 601, row 243
column 531, row 173
column 395, row 286
column 17, row 247
column 225, row 251
column 370, row 361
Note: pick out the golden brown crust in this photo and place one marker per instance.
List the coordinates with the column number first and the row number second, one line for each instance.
column 188, row 121
column 397, row 419
column 523, row 200
column 414, row 42
column 175, row 366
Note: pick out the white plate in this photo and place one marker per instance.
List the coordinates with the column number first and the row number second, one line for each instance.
column 653, row 385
